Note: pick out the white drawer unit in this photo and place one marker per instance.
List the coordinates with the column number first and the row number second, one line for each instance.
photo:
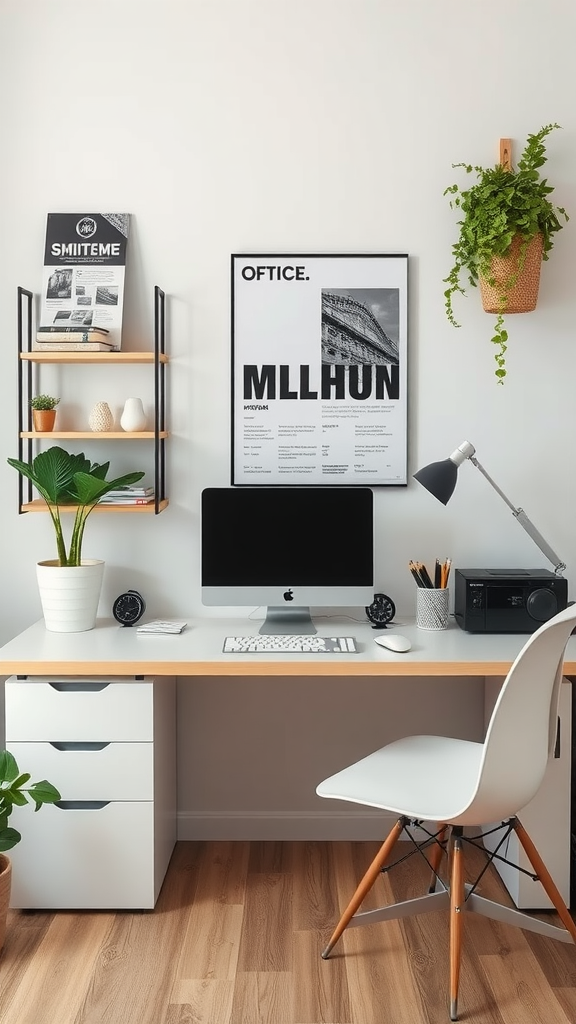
column 109, row 745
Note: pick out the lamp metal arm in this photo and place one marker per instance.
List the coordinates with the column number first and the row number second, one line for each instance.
column 520, row 515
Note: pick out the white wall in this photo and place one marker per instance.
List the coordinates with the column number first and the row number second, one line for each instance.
column 291, row 125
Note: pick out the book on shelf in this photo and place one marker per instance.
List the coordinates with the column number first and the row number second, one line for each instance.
column 131, row 491
column 107, row 500
column 61, row 329
column 69, row 337
column 129, row 495
column 72, row 346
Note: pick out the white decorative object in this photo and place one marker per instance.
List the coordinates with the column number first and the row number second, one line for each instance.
column 101, row 417
column 70, row 594
column 133, row 416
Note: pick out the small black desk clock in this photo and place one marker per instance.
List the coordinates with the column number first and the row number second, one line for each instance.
column 381, row 611
column 128, row 608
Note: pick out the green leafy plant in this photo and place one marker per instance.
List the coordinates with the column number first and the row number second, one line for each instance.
column 501, row 205
column 64, row 479
column 44, row 403
column 15, row 792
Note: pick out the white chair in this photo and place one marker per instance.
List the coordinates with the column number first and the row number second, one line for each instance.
column 460, row 784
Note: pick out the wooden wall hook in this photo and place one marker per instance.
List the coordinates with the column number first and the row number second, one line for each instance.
column 506, row 154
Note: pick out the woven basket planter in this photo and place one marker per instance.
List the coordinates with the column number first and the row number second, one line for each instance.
column 522, row 298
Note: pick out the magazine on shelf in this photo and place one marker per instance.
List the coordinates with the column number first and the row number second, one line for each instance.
column 84, row 270
column 126, row 501
column 131, row 491
column 129, row 495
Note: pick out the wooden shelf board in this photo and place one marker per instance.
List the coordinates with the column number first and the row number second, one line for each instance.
column 92, row 357
column 39, row 505
column 94, row 435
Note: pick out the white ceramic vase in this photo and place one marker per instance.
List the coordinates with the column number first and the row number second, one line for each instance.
column 101, row 417
column 133, row 416
column 70, row 594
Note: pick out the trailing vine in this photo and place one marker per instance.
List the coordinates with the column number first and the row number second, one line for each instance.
column 501, row 205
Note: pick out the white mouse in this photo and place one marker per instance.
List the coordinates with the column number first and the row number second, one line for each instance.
column 393, row 642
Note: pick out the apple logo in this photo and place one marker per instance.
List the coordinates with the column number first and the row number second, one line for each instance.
column 288, row 595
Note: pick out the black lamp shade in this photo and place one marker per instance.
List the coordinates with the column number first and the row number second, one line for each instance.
column 439, row 478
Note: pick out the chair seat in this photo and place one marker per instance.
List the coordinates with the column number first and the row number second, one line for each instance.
column 427, row 777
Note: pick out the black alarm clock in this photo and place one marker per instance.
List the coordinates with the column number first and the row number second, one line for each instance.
column 128, row 608
column 381, row 611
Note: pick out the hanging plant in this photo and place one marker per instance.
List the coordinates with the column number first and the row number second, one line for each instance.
column 507, row 228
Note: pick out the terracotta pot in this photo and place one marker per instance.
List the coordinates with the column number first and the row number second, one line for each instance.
column 522, row 298
column 43, row 419
column 5, row 888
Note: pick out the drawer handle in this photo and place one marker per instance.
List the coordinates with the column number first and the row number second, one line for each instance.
column 79, row 746
column 79, row 686
column 81, row 805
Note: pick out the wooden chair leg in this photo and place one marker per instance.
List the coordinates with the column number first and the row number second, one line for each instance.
column 436, row 855
column 456, row 911
column 366, row 884
column 545, row 877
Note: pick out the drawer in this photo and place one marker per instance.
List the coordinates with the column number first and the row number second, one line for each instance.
column 90, row 771
column 91, row 857
column 79, row 709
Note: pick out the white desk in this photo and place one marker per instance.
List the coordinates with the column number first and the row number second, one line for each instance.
column 111, row 650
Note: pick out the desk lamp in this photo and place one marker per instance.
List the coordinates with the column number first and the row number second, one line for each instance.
column 440, row 479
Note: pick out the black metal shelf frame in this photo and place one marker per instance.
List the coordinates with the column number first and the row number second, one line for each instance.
column 25, row 445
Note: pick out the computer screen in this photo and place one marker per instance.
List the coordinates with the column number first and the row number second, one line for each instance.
column 287, row 548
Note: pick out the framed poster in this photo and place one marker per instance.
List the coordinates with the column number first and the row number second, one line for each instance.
column 319, row 369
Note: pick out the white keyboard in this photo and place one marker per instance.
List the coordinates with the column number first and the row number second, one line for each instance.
column 289, row 644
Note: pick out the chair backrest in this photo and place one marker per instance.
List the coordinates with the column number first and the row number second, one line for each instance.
column 521, row 734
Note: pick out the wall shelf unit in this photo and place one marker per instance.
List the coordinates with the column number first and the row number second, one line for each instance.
column 29, row 439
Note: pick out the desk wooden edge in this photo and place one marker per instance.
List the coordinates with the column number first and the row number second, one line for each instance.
column 237, row 667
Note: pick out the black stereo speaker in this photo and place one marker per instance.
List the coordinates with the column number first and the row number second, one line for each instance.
column 507, row 600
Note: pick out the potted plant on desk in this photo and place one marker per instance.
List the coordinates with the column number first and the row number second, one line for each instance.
column 15, row 791
column 70, row 585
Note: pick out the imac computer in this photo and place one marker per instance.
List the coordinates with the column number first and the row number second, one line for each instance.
column 287, row 548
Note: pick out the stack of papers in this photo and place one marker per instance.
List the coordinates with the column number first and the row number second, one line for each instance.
column 162, row 626
column 128, row 496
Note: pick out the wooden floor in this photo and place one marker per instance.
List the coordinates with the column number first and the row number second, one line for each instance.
column 236, row 938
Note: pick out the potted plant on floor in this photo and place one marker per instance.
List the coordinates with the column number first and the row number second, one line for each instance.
column 507, row 228
column 70, row 585
column 14, row 790
column 43, row 412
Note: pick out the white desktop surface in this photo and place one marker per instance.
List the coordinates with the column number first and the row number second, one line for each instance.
column 110, row 649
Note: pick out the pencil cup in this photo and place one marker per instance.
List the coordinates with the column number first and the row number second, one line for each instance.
column 432, row 608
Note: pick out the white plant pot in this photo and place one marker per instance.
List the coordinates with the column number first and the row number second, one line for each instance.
column 70, row 594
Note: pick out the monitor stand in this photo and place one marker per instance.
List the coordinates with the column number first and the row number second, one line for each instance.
column 283, row 620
